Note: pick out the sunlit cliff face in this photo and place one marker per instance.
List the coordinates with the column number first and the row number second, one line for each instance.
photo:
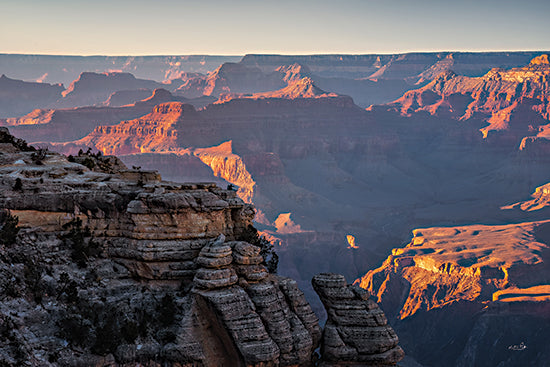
column 495, row 96
column 229, row 166
column 351, row 241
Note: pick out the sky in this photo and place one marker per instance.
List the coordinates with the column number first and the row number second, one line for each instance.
column 238, row 27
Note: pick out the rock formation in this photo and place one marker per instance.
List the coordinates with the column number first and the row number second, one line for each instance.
column 540, row 200
column 45, row 126
column 214, row 260
column 238, row 80
column 470, row 263
column 481, row 281
column 357, row 330
column 105, row 265
column 512, row 101
column 299, row 88
column 93, row 88
column 269, row 319
column 231, row 78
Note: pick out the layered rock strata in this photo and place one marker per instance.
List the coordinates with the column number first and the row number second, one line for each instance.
column 266, row 328
column 115, row 267
column 247, row 261
column 215, row 259
column 357, row 332
column 442, row 266
column 513, row 102
column 159, row 253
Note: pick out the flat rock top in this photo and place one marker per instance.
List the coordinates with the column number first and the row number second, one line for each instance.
column 475, row 246
column 28, row 174
column 538, row 293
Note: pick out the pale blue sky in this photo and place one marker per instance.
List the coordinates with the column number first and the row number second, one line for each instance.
column 236, row 27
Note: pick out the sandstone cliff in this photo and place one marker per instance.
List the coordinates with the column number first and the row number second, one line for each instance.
column 65, row 124
column 352, row 318
column 234, row 78
column 296, row 88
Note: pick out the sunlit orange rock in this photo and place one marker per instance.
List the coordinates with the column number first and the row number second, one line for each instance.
column 445, row 265
column 521, row 94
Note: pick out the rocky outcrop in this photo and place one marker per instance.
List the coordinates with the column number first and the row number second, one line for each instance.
column 357, row 331
column 247, row 262
column 105, row 265
column 231, row 78
column 61, row 125
column 470, row 263
column 299, row 88
column 215, row 272
column 155, row 131
column 229, row 166
column 265, row 328
column 157, row 232
column 540, row 200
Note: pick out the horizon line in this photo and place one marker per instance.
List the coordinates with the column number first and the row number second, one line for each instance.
column 273, row 54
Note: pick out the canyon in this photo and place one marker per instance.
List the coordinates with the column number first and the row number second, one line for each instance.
column 367, row 147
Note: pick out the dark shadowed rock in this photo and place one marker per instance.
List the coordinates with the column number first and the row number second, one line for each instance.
column 357, row 330
column 18, row 97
